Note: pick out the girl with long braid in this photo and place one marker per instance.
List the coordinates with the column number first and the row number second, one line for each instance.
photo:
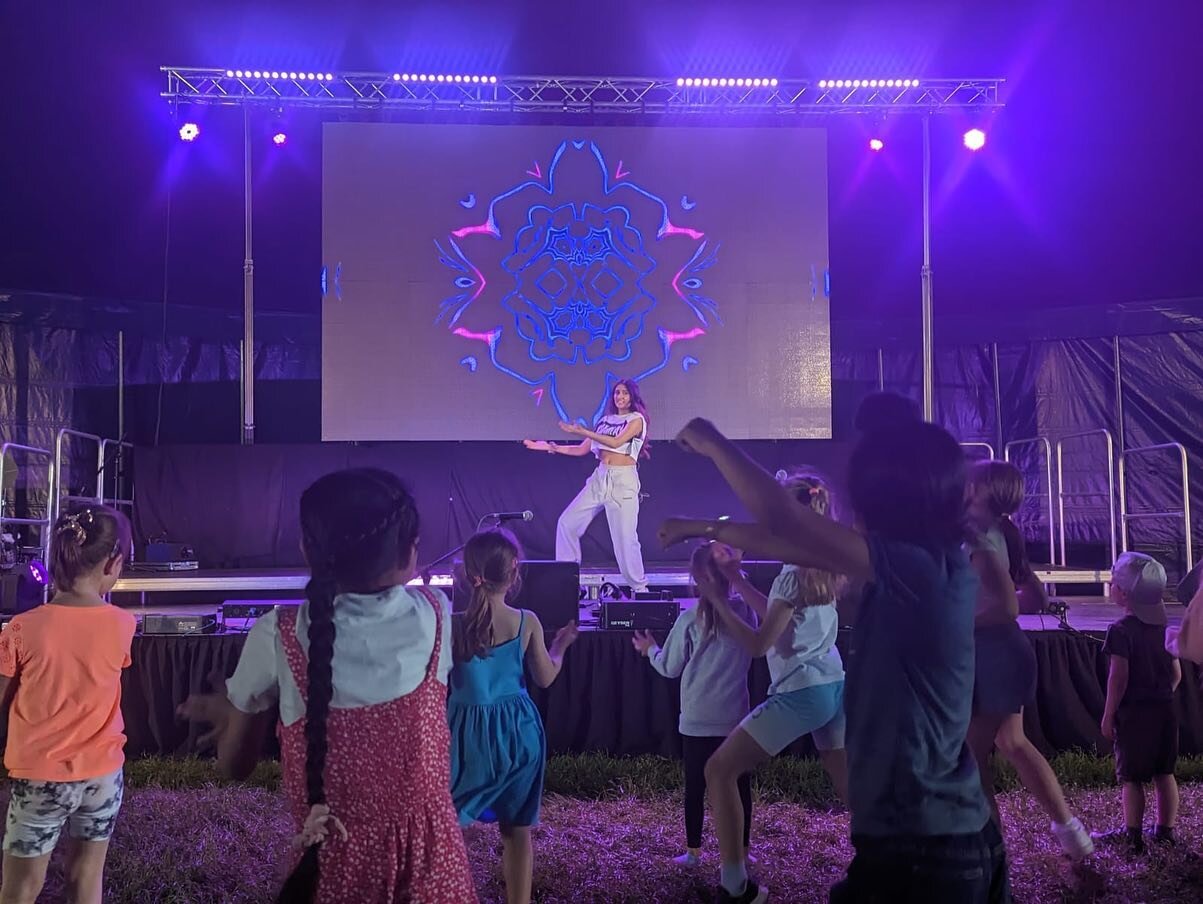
column 358, row 674
column 498, row 748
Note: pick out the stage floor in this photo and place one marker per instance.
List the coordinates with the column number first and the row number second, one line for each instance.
column 1090, row 615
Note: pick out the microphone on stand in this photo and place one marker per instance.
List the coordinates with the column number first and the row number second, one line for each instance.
column 528, row 515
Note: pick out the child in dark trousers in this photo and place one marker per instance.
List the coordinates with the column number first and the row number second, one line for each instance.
column 713, row 669
column 1139, row 714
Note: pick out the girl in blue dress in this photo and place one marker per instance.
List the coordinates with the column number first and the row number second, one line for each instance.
column 498, row 749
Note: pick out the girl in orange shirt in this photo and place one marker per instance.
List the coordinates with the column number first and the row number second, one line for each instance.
column 60, row 679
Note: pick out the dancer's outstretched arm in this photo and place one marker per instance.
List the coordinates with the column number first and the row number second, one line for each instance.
column 573, row 449
column 802, row 536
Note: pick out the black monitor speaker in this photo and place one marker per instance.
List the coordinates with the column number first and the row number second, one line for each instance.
column 551, row 590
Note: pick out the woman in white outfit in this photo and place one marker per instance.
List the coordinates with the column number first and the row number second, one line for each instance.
column 618, row 441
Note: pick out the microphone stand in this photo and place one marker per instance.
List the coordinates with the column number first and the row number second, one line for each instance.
column 425, row 570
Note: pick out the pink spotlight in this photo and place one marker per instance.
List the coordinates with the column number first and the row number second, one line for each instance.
column 975, row 139
column 876, row 144
column 279, row 139
column 189, row 131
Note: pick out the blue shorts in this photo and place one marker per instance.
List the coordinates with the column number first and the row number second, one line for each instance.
column 1005, row 670
column 783, row 718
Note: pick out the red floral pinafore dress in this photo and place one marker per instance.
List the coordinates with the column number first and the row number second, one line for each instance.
column 388, row 778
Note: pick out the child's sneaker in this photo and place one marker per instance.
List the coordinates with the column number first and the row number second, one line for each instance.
column 1132, row 839
column 752, row 894
column 1165, row 835
column 689, row 858
column 1075, row 841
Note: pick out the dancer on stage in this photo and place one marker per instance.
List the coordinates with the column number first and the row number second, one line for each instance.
column 617, row 440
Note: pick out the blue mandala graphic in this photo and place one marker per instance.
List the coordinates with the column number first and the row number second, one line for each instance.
column 594, row 277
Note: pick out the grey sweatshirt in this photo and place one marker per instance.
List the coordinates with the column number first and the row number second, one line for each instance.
column 713, row 673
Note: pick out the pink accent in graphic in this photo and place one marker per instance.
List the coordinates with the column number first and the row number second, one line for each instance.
column 676, row 288
column 619, row 172
column 487, row 338
column 670, row 337
column 486, row 227
column 538, row 394
column 536, row 172
column 670, row 229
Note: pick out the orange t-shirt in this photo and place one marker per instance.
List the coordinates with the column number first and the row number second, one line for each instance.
column 65, row 724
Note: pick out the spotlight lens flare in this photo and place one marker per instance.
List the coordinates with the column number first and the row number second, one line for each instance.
column 975, row 139
column 876, row 144
column 279, row 139
column 189, row 131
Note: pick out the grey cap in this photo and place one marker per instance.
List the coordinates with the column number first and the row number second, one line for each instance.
column 1142, row 579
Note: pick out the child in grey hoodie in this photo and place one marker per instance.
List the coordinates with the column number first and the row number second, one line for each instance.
column 713, row 668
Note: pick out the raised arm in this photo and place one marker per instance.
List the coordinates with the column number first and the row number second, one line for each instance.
column 756, row 641
column 729, row 561
column 632, row 429
column 573, row 449
column 815, row 541
column 755, row 539
column 545, row 664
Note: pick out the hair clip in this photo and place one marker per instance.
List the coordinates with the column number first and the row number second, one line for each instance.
column 71, row 523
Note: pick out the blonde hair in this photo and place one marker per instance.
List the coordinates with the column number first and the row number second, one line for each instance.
column 703, row 567
column 491, row 560
column 818, row 588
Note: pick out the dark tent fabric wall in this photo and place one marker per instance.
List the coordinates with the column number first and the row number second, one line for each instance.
column 1056, row 374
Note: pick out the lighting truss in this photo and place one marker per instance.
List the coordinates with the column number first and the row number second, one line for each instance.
column 420, row 91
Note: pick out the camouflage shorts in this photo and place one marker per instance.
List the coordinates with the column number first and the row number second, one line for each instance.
column 37, row 812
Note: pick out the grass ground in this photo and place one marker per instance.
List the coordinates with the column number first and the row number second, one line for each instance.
column 184, row 838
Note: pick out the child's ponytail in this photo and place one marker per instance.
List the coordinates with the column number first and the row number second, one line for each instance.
column 491, row 560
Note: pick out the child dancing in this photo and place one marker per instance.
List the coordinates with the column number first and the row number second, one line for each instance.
column 498, row 749
column 60, row 679
column 358, row 675
column 921, row 826
column 713, row 668
column 1005, row 663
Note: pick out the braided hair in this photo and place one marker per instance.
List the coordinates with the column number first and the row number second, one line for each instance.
column 491, row 560
column 356, row 527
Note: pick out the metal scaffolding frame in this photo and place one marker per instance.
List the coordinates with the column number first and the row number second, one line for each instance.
column 417, row 92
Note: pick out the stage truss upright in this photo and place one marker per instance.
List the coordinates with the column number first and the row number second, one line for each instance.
column 418, row 92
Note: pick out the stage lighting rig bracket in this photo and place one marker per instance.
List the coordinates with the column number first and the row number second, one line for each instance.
column 419, row 92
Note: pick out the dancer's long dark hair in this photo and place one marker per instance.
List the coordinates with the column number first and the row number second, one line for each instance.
column 491, row 565
column 637, row 405
column 356, row 527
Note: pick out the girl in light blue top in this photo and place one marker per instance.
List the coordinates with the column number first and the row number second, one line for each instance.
column 798, row 627
column 713, row 668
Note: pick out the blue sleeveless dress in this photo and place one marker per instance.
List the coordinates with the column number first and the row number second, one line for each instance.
column 498, row 749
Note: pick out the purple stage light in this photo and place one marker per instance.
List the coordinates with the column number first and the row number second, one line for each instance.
column 39, row 572
column 876, row 144
column 975, row 139
column 329, row 77
column 258, row 74
column 279, row 138
column 189, row 131
column 238, row 73
column 292, row 76
column 772, row 83
column 229, row 73
column 492, row 80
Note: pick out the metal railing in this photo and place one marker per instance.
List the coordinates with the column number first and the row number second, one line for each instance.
column 1041, row 442
column 58, row 497
column 1109, row 495
column 1126, row 517
column 989, row 448
column 43, row 523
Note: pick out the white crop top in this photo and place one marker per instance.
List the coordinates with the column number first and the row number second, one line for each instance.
column 613, row 425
